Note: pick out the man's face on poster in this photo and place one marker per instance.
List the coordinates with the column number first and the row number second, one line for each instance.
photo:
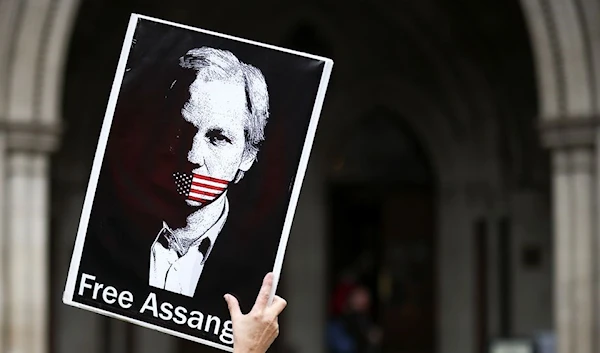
column 218, row 111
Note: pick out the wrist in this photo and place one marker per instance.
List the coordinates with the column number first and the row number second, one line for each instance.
column 246, row 350
column 242, row 350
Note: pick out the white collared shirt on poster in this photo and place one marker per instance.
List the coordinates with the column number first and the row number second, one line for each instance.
column 181, row 274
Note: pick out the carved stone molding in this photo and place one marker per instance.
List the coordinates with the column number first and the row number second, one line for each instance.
column 31, row 136
column 574, row 160
column 569, row 132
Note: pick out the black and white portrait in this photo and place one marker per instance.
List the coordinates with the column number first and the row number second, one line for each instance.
column 193, row 189
column 228, row 106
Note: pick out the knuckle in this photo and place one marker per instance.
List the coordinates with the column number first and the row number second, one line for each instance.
column 259, row 317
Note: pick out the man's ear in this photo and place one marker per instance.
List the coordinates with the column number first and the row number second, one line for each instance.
column 248, row 158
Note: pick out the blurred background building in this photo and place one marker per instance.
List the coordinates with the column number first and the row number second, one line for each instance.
column 454, row 171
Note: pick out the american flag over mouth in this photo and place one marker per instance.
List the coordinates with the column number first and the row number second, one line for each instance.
column 200, row 188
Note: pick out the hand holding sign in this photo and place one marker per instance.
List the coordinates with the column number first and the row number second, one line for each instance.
column 256, row 331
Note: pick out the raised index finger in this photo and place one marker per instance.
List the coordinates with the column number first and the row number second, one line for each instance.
column 263, row 296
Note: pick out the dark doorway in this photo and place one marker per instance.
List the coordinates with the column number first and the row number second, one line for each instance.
column 382, row 207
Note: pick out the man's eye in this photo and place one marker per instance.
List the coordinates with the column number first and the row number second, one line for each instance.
column 216, row 136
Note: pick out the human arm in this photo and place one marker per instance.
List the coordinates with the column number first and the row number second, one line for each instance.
column 256, row 331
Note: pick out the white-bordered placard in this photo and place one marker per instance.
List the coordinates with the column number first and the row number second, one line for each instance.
column 196, row 177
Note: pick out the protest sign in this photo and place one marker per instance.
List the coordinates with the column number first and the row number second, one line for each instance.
column 195, row 181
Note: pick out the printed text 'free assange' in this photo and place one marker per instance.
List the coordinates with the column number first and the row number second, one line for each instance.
column 178, row 315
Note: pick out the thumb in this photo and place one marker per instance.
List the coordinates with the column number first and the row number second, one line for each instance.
column 233, row 305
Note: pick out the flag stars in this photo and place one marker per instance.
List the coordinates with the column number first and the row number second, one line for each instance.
column 183, row 183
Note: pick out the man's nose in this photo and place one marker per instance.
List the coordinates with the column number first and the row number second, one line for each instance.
column 196, row 153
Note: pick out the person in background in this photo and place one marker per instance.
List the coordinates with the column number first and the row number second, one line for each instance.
column 358, row 321
column 257, row 330
column 352, row 331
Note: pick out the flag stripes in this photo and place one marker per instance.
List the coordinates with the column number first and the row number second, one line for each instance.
column 200, row 188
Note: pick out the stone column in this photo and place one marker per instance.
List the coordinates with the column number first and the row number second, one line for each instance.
column 146, row 340
column 304, row 268
column 70, row 183
column 583, row 186
column 3, row 228
column 455, row 279
column 530, row 218
column 572, row 143
column 25, row 232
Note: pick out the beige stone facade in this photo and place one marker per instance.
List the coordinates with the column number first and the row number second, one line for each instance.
column 466, row 119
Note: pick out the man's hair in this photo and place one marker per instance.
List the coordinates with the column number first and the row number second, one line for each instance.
column 218, row 65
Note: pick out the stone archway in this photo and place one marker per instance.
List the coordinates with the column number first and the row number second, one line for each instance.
column 567, row 51
column 33, row 40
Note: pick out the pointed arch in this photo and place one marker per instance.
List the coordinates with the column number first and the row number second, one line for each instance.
column 567, row 53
